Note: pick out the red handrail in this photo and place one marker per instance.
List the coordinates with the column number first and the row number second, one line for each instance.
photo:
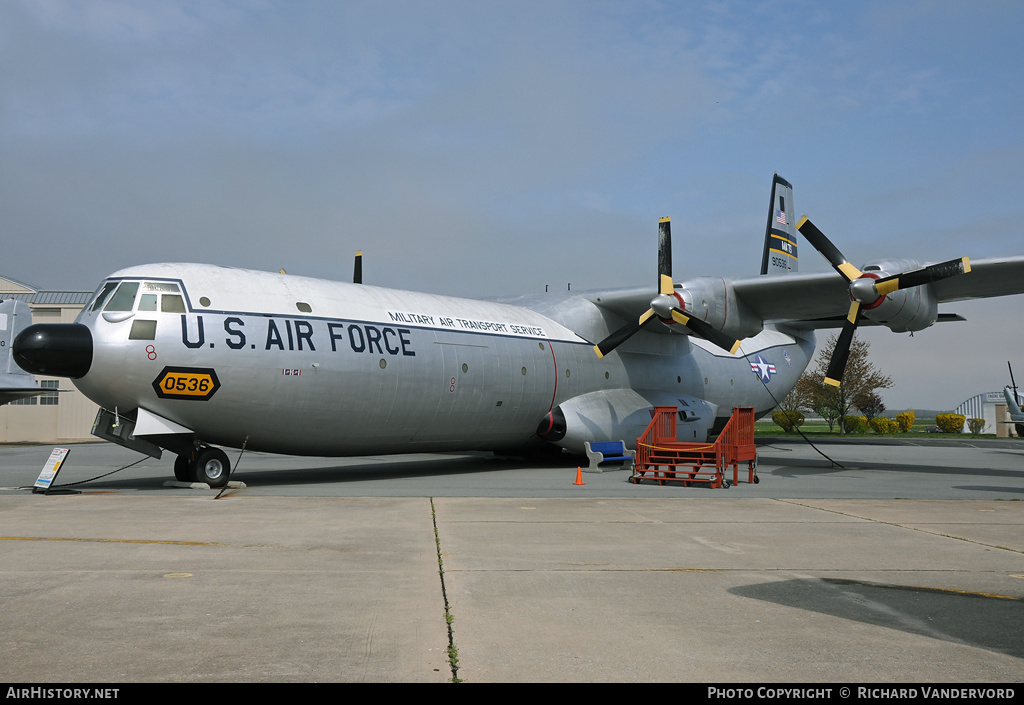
column 734, row 444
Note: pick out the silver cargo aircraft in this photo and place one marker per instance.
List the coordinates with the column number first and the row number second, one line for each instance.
column 186, row 357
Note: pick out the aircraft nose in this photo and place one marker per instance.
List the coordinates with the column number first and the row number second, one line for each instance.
column 57, row 349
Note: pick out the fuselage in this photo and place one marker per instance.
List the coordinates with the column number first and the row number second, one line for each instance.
column 297, row 365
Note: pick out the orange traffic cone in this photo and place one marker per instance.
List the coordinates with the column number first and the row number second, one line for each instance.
column 579, row 477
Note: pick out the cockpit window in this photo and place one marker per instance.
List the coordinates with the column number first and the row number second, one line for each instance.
column 102, row 295
column 163, row 287
column 124, row 298
column 147, row 302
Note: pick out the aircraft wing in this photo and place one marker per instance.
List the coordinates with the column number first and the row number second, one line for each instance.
column 806, row 297
column 996, row 276
column 822, row 299
column 810, row 296
column 795, row 297
column 7, row 395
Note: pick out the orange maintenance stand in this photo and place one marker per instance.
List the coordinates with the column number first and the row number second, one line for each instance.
column 659, row 453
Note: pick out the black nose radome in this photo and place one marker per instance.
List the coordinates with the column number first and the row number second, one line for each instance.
column 57, row 349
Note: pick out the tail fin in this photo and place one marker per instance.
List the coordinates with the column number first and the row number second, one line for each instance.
column 1011, row 404
column 15, row 383
column 780, row 233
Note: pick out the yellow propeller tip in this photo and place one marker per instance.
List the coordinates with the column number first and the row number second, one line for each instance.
column 832, row 382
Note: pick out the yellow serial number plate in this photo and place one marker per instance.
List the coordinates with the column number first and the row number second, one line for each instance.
column 186, row 383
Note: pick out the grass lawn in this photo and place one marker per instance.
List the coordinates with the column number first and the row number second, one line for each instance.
column 816, row 428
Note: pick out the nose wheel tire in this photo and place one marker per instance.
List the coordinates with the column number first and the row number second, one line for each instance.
column 211, row 466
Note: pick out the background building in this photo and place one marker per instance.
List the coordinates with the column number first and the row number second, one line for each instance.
column 57, row 416
column 990, row 406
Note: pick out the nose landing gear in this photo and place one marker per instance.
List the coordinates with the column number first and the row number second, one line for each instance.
column 204, row 464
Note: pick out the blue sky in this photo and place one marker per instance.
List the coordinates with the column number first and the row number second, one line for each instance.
column 491, row 148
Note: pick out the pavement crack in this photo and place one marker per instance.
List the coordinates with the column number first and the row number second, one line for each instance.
column 449, row 618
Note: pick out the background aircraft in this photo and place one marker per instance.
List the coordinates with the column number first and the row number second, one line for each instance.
column 185, row 357
column 15, row 383
column 1013, row 404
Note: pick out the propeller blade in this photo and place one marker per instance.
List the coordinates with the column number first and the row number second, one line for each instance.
column 664, row 303
column 703, row 330
column 622, row 335
column 665, row 256
column 836, row 366
column 357, row 270
column 829, row 251
column 924, row 275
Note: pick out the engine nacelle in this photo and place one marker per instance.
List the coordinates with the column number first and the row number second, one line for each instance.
column 903, row 310
column 622, row 415
column 714, row 300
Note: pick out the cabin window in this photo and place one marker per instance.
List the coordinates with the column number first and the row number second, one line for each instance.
column 305, row 308
column 142, row 330
column 124, row 298
column 172, row 303
column 203, row 301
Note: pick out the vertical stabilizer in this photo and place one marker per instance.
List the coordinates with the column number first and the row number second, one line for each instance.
column 780, row 255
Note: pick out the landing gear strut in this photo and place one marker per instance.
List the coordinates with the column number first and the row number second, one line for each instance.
column 205, row 464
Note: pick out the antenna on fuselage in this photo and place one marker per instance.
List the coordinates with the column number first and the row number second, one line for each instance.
column 357, row 269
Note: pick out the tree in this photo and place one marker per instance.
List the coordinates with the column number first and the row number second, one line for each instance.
column 871, row 406
column 860, row 380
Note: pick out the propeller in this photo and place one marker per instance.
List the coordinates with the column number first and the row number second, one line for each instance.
column 357, row 268
column 867, row 289
column 666, row 306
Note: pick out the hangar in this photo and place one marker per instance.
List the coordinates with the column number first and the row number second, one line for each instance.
column 990, row 406
column 57, row 416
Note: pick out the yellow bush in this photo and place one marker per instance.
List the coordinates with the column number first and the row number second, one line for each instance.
column 884, row 426
column 976, row 425
column 905, row 420
column 855, row 424
column 788, row 420
column 950, row 423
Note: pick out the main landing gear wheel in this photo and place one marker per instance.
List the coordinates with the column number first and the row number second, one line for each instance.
column 212, row 467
